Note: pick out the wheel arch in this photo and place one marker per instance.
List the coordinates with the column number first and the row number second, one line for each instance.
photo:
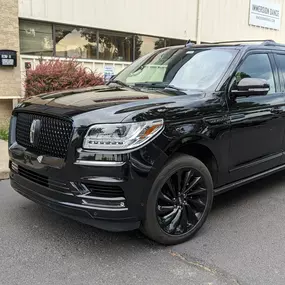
column 199, row 148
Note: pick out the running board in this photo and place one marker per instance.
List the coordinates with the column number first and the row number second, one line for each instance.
column 241, row 182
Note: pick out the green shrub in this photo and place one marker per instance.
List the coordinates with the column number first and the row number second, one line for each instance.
column 4, row 132
column 4, row 129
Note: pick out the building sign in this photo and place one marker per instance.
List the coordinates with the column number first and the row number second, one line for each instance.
column 8, row 58
column 265, row 14
column 108, row 72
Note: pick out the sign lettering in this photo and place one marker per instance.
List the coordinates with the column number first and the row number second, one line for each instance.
column 265, row 14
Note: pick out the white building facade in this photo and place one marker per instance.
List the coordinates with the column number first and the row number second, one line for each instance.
column 110, row 34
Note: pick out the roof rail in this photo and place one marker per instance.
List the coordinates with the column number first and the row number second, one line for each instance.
column 261, row 42
column 189, row 43
column 240, row 41
column 272, row 43
column 269, row 43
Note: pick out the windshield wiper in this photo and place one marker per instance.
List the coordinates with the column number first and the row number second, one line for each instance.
column 119, row 82
column 176, row 90
column 172, row 87
column 151, row 84
column 161, row 85
column 164, row 86
column 123, row 84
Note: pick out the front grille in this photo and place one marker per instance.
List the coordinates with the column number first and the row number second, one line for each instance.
column 108, row 191
column 53, row 138
column 42, row 180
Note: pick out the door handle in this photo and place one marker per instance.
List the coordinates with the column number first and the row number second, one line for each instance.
column 276, row 111
column 237, row 117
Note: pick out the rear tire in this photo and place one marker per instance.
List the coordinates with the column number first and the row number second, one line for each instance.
column 179, row 201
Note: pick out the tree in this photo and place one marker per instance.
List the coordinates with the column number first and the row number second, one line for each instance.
column 138, row 44
column 160, row 43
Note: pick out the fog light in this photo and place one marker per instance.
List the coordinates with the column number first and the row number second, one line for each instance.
column 103, row 202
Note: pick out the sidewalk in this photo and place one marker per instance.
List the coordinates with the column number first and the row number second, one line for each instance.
column 4, row 160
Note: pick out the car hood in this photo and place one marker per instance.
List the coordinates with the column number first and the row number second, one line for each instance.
column 91, row 98
column 108, row 104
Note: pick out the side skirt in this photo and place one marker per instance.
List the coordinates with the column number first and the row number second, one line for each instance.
column 241, row 182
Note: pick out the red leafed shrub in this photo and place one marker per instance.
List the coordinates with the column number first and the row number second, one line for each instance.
column 56, row 75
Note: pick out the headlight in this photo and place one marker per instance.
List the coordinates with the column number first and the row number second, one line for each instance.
column 121, row 136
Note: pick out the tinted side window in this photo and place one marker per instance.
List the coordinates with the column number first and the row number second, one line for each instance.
column 257, row 66
column 280, row 58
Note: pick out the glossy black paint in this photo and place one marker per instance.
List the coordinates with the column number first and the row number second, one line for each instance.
column 243, row 135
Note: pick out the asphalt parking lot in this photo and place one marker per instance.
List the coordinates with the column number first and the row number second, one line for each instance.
column 241, row 243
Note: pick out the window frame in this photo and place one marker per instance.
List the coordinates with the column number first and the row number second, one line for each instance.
column 116, row 34
column 272, row 64
column 278, row 67
column 73, row 27
column 27, row 21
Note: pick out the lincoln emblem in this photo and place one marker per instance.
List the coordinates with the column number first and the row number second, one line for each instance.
column 35, row 131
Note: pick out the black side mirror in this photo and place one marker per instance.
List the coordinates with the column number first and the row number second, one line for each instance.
column 251, row 87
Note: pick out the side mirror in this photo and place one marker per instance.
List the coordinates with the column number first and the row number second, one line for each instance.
column 251, row 87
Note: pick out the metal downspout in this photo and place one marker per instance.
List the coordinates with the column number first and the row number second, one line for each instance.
column 199, row 21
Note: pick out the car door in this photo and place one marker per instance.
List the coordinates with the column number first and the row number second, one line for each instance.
column 257, row 122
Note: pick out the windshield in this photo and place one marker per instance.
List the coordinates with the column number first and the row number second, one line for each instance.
column 181, row 68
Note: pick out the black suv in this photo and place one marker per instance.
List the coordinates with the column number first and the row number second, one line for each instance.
column 153, row 146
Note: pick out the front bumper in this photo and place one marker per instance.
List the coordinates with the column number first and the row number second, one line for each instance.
column 73, row 209
column 71, row 188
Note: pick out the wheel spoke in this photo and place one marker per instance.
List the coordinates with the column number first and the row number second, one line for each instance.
column 179, row 174
column 187, row 177
column 165, row 198
column 192, row 219
column 197, row 204
column 171, row 188
column 162, row 210
column 192, row 184
column 201, row 191
column 166, row 220
column 183, row 221
column 174, row 223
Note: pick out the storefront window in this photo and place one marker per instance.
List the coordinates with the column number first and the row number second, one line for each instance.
column 174, row 42
column 36, row 38
column 145, row 45
column 76, row 42
column 115, row 47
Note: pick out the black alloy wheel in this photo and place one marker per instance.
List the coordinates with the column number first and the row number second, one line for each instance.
column 179, row 201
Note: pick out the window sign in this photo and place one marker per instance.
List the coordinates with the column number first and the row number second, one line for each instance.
column 265, row 14
column 108, row 72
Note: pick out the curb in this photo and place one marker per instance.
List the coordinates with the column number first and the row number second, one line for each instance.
column 4, row 159
column 4, row 175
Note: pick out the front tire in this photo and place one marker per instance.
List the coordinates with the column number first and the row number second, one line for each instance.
column 179, row 201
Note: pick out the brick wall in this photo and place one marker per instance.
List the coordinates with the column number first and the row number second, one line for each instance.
column 5, row 112
column 10, row 83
